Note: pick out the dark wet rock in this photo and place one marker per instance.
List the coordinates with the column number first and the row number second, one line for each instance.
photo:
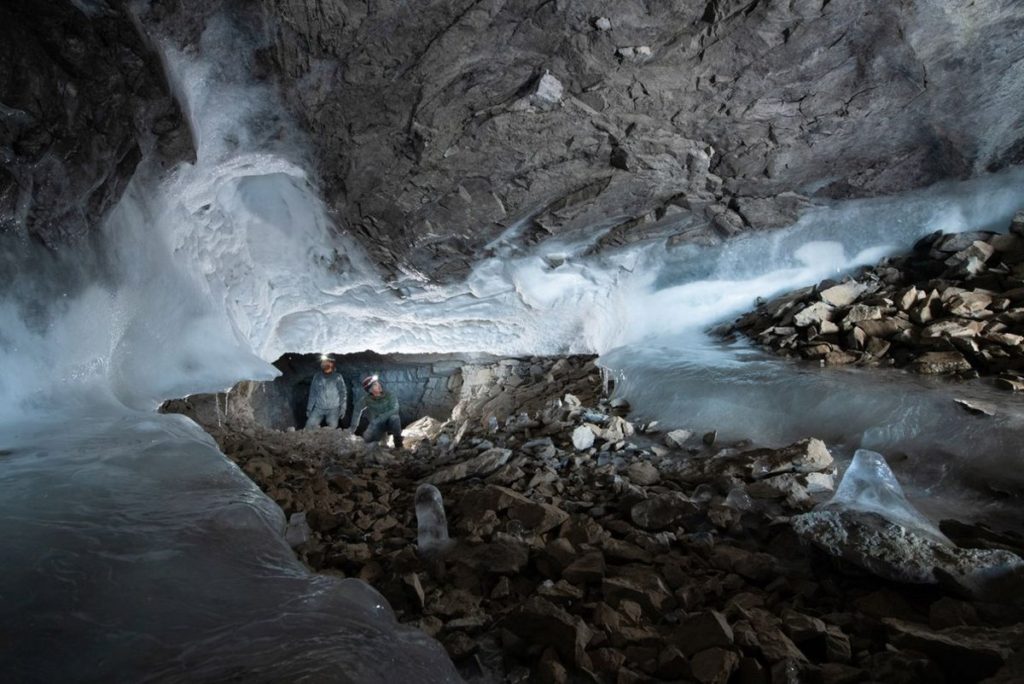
column 949, row 612
column 714, row 666
column 662, row 511
column 702, row 631
column 541, row 622
column 639, row 584
column 967, row 654
column 504, row 557
column 590, row 567
column 538, row 517
column 84, row 101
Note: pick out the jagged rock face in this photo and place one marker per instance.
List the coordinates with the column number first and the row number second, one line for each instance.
column 441, row 123
column 82, row 100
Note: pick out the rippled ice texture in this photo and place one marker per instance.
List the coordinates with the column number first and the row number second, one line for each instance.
column 134, row 551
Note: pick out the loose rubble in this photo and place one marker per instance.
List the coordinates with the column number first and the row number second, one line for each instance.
column 628, row 556
column 953, row 306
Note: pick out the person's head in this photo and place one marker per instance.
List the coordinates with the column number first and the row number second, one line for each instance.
column 371, row 384
column 327, row 364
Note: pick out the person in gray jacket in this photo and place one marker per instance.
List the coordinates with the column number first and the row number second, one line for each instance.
column 328, row 396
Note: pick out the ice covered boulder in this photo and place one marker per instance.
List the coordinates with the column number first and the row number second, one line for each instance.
column 870, row 523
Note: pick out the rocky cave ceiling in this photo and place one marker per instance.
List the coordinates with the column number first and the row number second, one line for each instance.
column 436, row 125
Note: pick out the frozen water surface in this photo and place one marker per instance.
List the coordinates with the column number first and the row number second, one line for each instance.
column 133, row 550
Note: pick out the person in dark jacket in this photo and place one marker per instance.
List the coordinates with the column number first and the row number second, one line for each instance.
column 381, row 410
column 328, row 397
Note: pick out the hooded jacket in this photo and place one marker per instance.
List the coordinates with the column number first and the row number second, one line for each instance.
column 328, row 392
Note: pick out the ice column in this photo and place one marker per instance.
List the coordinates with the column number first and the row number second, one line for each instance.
column 431, row 523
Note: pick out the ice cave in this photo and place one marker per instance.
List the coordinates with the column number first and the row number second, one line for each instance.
column 602, row 341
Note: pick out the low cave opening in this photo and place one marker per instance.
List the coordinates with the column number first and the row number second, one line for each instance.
column 440, row 387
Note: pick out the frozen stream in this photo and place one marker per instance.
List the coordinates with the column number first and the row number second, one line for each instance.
column 133, row 550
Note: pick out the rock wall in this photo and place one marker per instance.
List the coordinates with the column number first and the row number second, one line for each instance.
column 441, row 124
column 441, row 386
column 82, row 100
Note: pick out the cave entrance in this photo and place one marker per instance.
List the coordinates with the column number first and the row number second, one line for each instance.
column 437, row 386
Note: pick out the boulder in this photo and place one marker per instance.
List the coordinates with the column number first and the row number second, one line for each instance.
column 971, row 261
column 640, row 584
column 583, row 438
column 968, row 304
column 502, row 557
column 884, row 328
column 862, row 312
column 662, row 511
column 760, row 631
column 537, row 517
column 702, row 631
column 478, row 466
column 788, row 486
column 714, row 666
column 677, row 438
column 805, row 456
column 843, row 294
column 897, row 553
column 967, row 654
column 940, row 363
column 953, row 327
column 813, row 315
column 590, row 567
column 539, row 621
column 643, row 473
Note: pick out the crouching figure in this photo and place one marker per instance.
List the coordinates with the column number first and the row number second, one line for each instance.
column 381, row 410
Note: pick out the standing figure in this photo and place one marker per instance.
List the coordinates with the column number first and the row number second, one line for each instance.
column 328, row 396
column 382, row 411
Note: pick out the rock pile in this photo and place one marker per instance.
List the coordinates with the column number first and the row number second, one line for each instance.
column 953, row 306
column 626, row 556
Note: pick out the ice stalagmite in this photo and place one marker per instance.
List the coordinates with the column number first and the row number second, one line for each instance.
column 870, row 523
column 870, row 486
column 431, row 523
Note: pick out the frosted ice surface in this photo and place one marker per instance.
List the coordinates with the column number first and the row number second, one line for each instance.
column 869, row 485
column 431, row 522
column 135, row 551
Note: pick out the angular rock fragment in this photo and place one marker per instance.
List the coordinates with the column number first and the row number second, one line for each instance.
column 843, row 294
column 702, row 631
column 938, row 363
column 662, row 511
column 478, row 466
column 583, row 438
column 714, row 666
column 539, row 621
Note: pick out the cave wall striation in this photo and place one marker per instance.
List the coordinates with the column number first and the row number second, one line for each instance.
column 441, row 124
